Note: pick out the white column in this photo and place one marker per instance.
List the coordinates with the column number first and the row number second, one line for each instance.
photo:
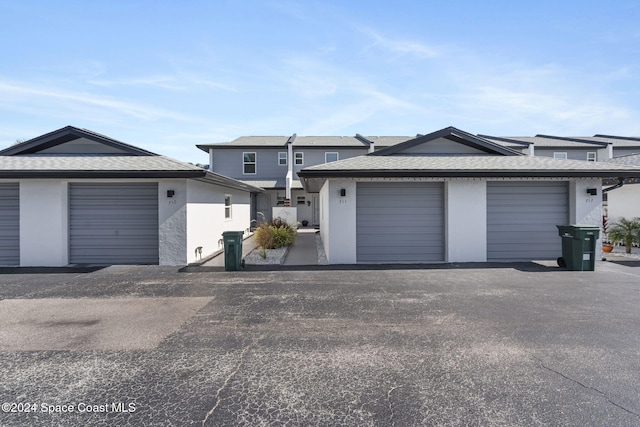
column 466, row 220
column 289, row 179
column 43, row 223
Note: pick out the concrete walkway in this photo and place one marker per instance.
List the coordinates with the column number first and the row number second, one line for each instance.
column 303, row 251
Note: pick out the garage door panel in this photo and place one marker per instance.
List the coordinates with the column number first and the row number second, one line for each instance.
column 10, row 224
column 400, row 222
column 521, row 219
column 113, row 223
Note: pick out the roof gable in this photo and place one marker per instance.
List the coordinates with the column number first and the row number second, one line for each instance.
column 72, row 140
column 447, row 141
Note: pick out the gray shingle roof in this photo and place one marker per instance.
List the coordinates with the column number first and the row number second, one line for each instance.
column 106, row 166
column 281, row 141
column 630, row 160
column 96, row 162
column 517, row 142
column 539, row 141
column 462, row 165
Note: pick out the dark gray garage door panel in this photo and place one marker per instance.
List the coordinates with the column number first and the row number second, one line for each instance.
column 113, row 223
column 399, row 222
column 522, row 219
column 10, row 224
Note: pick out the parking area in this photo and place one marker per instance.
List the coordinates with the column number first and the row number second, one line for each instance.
column 511, row 344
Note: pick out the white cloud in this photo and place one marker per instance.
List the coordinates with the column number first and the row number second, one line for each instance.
column 177, row 82
column 400, row 47
column 54, row 99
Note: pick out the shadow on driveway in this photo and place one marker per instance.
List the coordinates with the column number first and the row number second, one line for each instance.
column 520, row 266
column 49, row 270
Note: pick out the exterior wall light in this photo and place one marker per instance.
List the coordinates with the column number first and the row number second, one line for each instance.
column 170, row 193
column 592, row 191
column 343, row 192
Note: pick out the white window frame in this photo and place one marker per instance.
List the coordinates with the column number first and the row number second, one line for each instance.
column 228, row 204
column 282, row 155
column 298, row 158
column 560, row 155
column 254, row 163
column 331, row 152
column 592, row 156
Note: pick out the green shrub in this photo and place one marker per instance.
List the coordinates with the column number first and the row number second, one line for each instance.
column 264, row 236
column 275, row 234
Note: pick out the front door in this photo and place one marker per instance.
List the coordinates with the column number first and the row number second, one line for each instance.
column 263, row 207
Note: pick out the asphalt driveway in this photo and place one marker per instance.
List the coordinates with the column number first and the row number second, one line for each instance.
column 517, row 344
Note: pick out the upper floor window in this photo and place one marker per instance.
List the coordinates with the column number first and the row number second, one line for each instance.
column 299, row 158
column 592, row 156
column 249, row 163
column 282, row 158
column 560, row 155
column 331, row 156
column 227, row 206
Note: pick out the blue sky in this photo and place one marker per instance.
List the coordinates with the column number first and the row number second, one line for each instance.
column 166, row 75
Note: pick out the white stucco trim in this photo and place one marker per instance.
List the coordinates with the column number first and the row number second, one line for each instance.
column 465, row 215
column 338, row 221
column 43, row 223
column 466, row 220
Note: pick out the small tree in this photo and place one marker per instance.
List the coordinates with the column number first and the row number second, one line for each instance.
column 626, row 231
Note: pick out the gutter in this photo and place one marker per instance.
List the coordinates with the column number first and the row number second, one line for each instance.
column 613, row 187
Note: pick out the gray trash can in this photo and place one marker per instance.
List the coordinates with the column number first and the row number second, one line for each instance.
column 578, row 246
column 232, row 250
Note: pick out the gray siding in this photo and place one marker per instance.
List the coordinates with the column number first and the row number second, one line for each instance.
column 10, row 224
column 617, row 152
column 572, row 153
column 113, row 223
column 315, row 156
column 399, row 222
column 229, row 163
column 522, row 219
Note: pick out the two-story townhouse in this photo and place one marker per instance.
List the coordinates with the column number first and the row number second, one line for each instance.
column 597, row 148
column 273, row 163
column 590, row 148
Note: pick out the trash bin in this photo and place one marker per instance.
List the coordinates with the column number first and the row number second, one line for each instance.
column 578, row 246
column 232, row 250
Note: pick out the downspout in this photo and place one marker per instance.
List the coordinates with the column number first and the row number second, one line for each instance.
column 289, row 179
column 610, row 150
column 613, row 187
column 210, row 159
column 532, row 150
column 368, row 142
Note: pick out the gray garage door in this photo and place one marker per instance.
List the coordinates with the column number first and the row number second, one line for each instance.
column 399, row 222
column 9, row 224
column 522, row 219
column 113, row 223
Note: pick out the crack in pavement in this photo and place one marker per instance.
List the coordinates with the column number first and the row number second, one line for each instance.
column 230, row 377
column 586, row 386
column 391, row 409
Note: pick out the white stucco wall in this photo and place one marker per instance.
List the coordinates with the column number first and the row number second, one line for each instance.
column 466, row 220
column 193, row 217
column 287, row 214
column 323, row 199
column 339, row 221
column 172, row 222
column 206, row 220
column 586, row 209
column 465, row 213
column 623, row 202
column 43, row 223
